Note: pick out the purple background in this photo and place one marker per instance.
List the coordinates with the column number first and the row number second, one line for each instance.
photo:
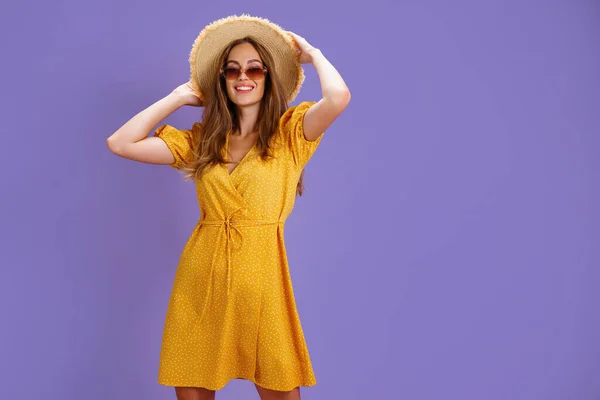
column 447, row 246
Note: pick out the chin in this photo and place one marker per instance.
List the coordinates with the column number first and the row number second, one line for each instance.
column 245, row 101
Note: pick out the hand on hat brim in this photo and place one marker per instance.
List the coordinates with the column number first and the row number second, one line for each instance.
column 188, row 95
column 306, row 49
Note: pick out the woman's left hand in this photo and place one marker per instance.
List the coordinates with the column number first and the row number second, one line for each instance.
column 306, row 50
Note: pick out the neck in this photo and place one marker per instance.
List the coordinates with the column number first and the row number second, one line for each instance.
column 248, row 119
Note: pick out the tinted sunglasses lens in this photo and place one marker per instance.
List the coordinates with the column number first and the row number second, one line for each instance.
column 255, row 73
column 231, row 73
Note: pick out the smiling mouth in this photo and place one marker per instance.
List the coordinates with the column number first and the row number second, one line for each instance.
column 244, row 88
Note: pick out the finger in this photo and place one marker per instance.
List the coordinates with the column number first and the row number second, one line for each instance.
column 295, row 36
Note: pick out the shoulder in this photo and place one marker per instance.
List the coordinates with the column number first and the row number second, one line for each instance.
column 196, row 132
column 295, row 114
column 180, row 138
column 197, row 129
column 170, row 130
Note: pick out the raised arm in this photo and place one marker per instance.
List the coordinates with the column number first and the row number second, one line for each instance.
column 131, row 140
column 336, row 94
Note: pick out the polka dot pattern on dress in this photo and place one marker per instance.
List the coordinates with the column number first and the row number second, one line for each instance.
column 232, row 312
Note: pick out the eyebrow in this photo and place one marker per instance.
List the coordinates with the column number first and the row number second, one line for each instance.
column 249, row 61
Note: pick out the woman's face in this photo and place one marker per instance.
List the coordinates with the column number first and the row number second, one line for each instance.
column 242, row 90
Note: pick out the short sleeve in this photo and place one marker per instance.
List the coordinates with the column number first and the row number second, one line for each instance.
column 292, row 129
column 180, row 142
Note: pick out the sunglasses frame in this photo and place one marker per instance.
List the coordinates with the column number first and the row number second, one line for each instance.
column 243, row 71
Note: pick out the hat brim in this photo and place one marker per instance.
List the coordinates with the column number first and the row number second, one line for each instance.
column 215, row 37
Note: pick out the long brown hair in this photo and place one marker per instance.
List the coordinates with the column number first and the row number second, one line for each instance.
column 220, row 117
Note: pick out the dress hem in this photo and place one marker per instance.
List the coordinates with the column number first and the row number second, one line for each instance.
column 221, row 386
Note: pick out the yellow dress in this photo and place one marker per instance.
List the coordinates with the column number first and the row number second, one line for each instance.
column 232, row 312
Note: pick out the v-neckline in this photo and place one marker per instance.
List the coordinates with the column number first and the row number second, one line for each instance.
column 241, row 160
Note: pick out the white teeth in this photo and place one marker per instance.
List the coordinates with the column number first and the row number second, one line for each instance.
column 244, row 88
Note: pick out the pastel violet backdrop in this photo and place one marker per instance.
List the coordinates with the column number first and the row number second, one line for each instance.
column 447, row 246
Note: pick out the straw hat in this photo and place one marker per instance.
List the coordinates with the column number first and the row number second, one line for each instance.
column 215, row 37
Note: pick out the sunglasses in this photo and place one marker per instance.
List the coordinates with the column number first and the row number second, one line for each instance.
column 253, row 73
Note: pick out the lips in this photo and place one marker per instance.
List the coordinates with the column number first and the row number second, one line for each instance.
column 243, row 88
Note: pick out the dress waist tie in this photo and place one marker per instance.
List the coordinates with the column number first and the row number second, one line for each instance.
column 230, row 225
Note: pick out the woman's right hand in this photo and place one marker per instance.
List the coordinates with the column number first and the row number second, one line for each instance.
column 188, row 95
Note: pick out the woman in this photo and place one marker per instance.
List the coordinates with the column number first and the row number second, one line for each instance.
column 232, row 312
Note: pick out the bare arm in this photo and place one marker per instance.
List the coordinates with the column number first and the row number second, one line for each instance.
column 131, row 140
column 336, row 95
